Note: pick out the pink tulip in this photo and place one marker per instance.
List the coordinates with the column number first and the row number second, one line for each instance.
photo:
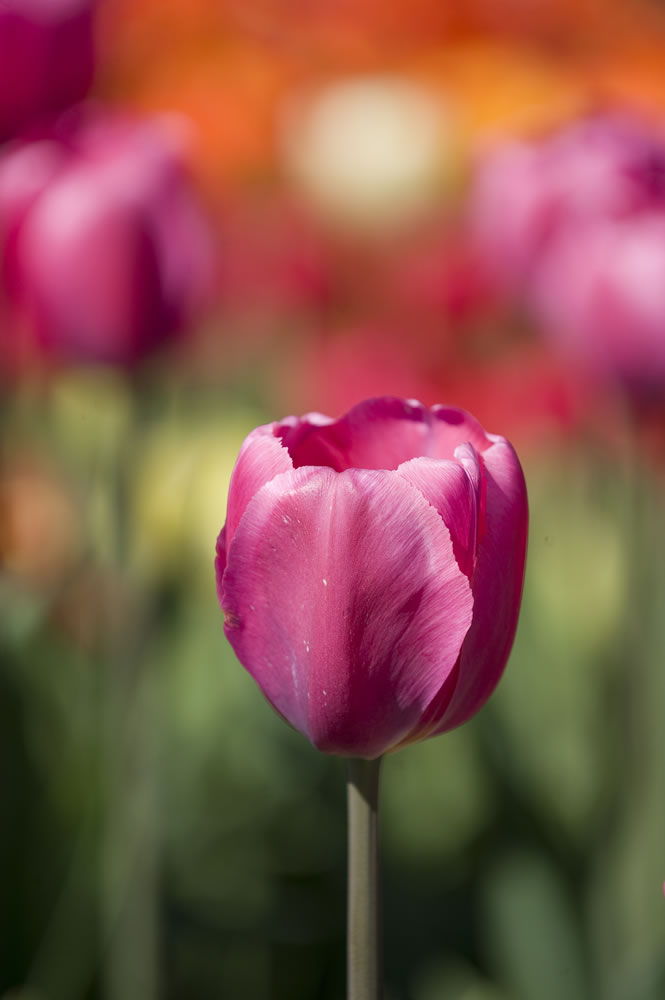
column 575, row 225
column 106, row 250
column 46, row 58
column 600, row 295
column 370, row 570
column 524, row 194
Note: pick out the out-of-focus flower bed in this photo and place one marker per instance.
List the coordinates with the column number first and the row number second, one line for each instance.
column 213, row 214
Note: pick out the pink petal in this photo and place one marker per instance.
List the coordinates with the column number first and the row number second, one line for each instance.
column 380, row 433
column 452, row 427
column 344, row 600
column 220, row 561
column 451, row 491
column 261, row 458
column 91, row 272
column 376, row 434
column 497, row 589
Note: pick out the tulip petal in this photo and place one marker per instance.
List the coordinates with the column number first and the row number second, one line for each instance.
column 497, row 589
column 450, row 490
column 376, row 434
column 344, row 600
column 261, row 458
column 452, row 427
column 379, row 433
column 220, row 561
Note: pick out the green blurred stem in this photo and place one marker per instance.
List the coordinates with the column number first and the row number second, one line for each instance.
column 363, row 934
column 129, row 719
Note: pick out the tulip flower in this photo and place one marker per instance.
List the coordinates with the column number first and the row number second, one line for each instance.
column 370, row 573
column 524, row 194
column 600, row 295
column 575, row 226
column 106, row 250
column 370, row 570
column 46, row 58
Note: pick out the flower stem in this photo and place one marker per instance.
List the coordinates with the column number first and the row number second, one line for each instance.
column 363, row 951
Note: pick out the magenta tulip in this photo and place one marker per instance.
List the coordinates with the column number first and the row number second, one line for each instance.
column 524, row 194
column 370, row 570
column 106, row 250
column 600, row 295
column 574, row 225
column 46, row 58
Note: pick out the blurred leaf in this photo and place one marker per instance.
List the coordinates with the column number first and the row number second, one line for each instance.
column 554, row 696
column 435, row 798
column 453, row 980
column 22, row 611
column 91, row 410
column 180, row 483
column 531, row 932
column 627, row 905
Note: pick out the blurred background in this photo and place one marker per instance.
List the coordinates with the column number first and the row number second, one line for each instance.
column 212, row 214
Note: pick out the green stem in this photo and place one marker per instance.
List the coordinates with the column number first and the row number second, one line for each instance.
column 130, row 916
column 363, row 937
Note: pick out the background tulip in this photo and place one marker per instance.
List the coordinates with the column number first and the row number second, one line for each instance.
column 600, row 294
column 525, row 194
column 370, row 570
column 46, row 58
column 574, row 226
column 107, row 252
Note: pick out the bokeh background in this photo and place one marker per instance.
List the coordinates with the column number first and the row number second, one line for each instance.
column 214, row 213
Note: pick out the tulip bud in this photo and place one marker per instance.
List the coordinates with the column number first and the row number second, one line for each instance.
column 370, row 570
column 106, row 250
column 524, row 194
column 575, row 225
column 46, row 58
column 600, row 295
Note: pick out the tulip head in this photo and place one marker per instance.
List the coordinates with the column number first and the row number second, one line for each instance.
column 575, row 225
column 370, row 570
column 105, row 249
column 525, row 194
column 600, row 295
